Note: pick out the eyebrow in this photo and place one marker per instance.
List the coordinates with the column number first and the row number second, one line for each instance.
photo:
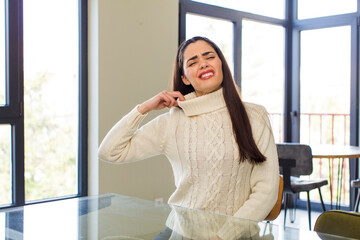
column 195, row 57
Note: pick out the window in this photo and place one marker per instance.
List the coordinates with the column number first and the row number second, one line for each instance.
column 43, row 120
column 262, row 71
column 2, row 53
column 325, row 61
column 325, row 112
column 213, row 29
column 5, row 164
column 274, row 8
column 322, row 8
column 51, row 90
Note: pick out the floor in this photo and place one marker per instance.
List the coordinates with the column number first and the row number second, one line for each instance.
column 301, row 220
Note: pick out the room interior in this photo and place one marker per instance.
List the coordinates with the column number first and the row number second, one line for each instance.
column 142, row 46
column 131, row 50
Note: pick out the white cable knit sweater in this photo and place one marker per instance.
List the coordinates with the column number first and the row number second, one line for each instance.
column 198, row 141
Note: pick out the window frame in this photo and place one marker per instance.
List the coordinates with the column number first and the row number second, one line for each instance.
column 293, row 28
column 12, row 112
column 235, row 16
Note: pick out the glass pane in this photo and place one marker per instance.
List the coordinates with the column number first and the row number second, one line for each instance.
column 2, row 54
column 321, row 8
column 51, row 98
column 325, row 96
column 274, row 8
column 219, row 31
column 263, row 70
column 5, row 164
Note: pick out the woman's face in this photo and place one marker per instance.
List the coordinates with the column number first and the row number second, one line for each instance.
column 202, row 68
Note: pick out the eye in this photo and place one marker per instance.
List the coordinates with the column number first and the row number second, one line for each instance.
column 191, row 64
column 210, row 57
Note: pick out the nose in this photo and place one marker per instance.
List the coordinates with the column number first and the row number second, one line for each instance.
column 203, row 64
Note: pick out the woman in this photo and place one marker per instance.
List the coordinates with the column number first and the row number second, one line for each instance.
column 221, row 150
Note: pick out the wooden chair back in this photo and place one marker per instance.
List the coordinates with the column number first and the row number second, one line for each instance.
column 275, row 211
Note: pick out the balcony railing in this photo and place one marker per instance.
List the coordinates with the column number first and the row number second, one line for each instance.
column 322, row 128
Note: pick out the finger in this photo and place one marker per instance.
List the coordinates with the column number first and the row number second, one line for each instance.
column 177, row 94
column 165, row 99
column 172, row 101
column 169, row 99
column 173, row 96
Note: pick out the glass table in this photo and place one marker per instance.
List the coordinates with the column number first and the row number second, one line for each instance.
column 113, row 216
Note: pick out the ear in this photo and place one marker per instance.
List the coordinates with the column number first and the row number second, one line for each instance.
column 185, row 80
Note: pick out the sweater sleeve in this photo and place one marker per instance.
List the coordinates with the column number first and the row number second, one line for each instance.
column 264, row 178
column 126, row 142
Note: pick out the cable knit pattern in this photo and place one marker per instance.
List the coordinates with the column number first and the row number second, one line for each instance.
column 198, row 140
column 190, row 143
column 214, row 150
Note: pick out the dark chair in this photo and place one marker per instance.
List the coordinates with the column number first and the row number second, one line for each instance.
column 295, row 160
column 356, row 184
column 338, row 222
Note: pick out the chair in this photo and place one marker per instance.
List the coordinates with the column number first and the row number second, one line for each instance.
column 275, row 211
column 356, row 184
column 295, row 160
column 338, row 222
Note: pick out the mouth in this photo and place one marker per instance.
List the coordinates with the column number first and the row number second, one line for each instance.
column 206, row 74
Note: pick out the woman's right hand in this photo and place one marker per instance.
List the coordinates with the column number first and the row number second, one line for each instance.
column 160, row 101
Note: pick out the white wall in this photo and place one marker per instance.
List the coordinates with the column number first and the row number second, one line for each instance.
column 132, row 45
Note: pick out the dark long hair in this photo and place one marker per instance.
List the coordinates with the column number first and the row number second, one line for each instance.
column 239, row 118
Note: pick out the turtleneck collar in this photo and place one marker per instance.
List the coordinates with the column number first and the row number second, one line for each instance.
column 210, row 102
